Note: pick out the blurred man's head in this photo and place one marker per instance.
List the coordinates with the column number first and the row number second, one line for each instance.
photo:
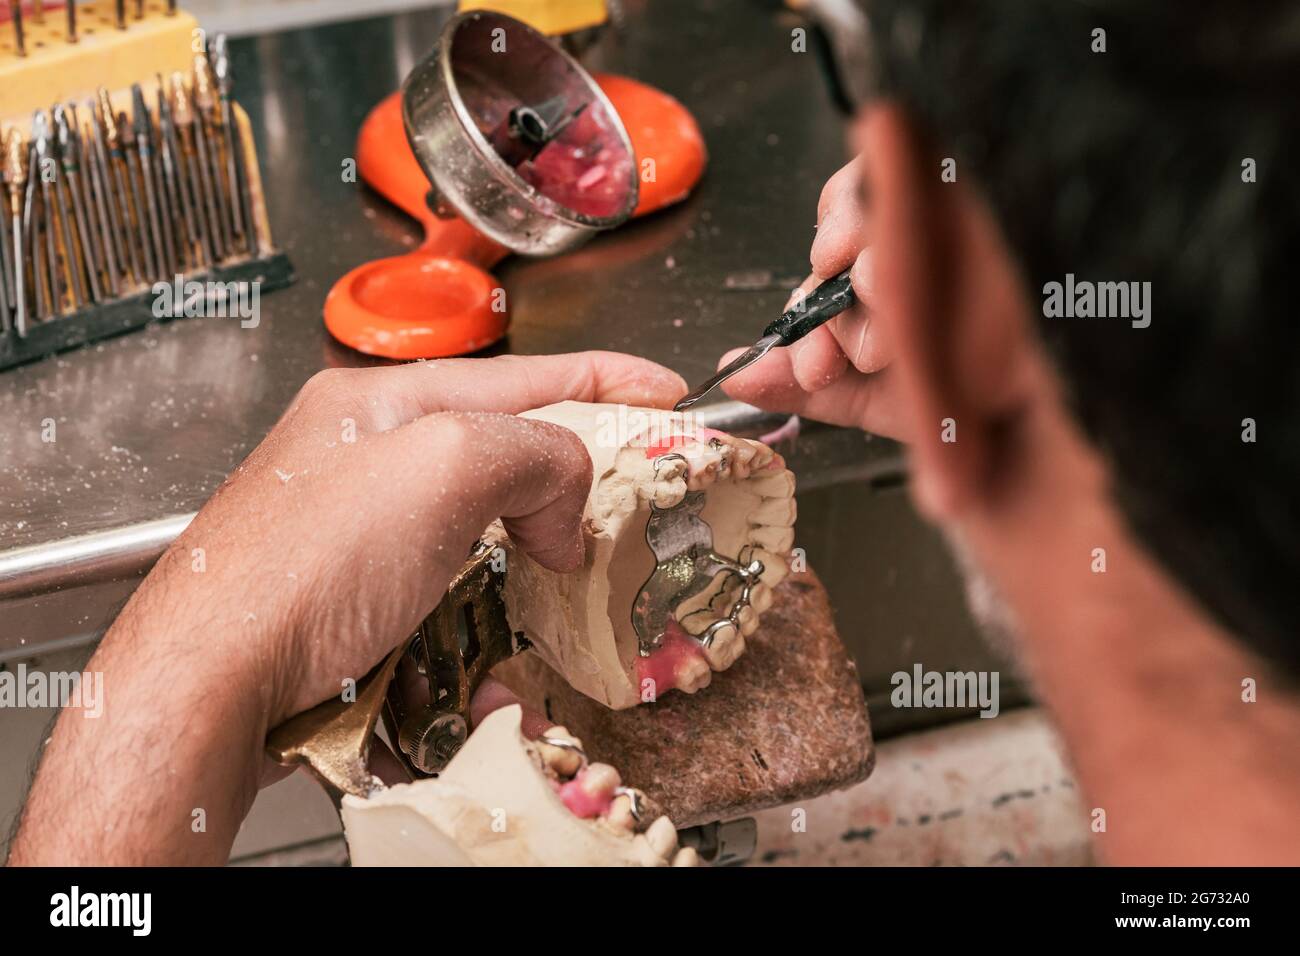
column 1098, row 148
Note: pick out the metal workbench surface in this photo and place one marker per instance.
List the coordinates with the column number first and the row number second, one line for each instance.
column 148, row 424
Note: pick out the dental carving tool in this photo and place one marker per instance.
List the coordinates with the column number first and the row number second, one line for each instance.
column 114, row 161
column 166, row 212
column 15, row 167
column 193, row 194
column 226, row 122
column 44, row 159
column 92, row 197
column 204, row 144
column 189, row 234
column 67, row 192
column 820, row 306
column 131, row 156
column 32, row 229
column 110, row 226
column 143, row 139
column 174, row 182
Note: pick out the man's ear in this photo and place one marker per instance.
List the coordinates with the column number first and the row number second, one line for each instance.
column 953, row 300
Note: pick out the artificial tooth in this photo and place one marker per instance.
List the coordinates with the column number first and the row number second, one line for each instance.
column 760, row 598
column 563, row 760
column 667, row 493
column 774, row 484
column 702, row 478
column 662, row 837
column 776, row 512
column 620, row 813
column 772, row 538
column 693, row 674
column 665, row 468
column 686, row 856
column 725, row 648
column 762, row 455
column 598, row 779
column 745, row 452
column 731, row 445
column 704, row 472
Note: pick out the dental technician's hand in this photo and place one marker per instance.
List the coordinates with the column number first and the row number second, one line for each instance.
column 838, row 373
column 325, row 548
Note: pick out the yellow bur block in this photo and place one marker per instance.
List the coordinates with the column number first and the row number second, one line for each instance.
column 55, row 71
column 552, row 17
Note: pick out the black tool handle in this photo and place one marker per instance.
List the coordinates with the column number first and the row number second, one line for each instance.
column 820, row 306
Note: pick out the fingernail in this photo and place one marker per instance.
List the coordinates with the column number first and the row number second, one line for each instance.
column 800, row 364
column 862, row 276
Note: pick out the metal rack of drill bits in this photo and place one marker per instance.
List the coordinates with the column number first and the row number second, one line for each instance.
column 126, row 208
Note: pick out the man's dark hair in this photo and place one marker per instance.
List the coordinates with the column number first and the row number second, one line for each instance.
column 1127, row 165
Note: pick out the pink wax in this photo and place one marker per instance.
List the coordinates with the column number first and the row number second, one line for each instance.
column 667, row 444
column 679, row 439
column 578, row 171
column 582, row 803
column 676, row 649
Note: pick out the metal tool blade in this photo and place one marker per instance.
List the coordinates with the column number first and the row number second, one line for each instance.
column 738, row 364
column 806, row 314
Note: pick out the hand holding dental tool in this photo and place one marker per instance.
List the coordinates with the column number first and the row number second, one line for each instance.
column 820, row 306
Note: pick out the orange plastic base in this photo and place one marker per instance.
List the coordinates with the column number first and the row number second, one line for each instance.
column 439, row 300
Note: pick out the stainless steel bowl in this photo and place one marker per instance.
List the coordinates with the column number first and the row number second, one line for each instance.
column 483, row 65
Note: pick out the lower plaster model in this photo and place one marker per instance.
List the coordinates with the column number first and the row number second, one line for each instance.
column 508, row 801
column 660, row 482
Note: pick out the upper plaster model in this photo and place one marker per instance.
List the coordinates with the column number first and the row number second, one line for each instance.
column 507, row 801
column 687, row 531
column 649, row 466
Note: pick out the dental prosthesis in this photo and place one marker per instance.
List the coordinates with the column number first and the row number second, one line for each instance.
column 507, row 801
column 688, row 530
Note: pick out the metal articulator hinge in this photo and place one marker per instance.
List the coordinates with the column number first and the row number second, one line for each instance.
column 426, row 709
